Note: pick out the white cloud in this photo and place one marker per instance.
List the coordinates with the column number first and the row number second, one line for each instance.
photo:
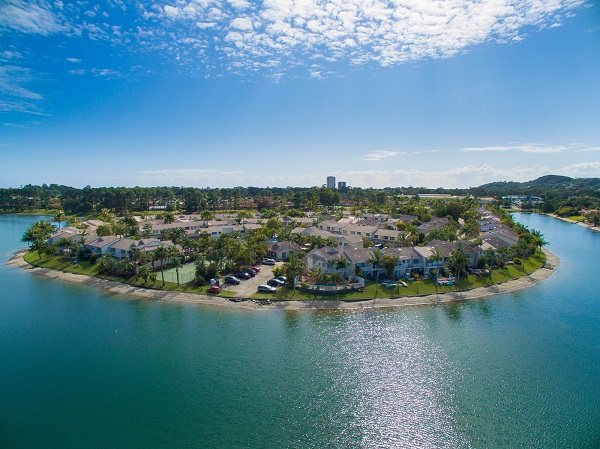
column 73, row 60
column 283, row 33
column 588, row 150
column 527, row 148
column 276, row 35
column 581, row 170
column 380, row 154
column 34, row 17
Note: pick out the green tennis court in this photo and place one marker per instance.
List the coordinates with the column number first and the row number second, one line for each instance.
column 186, row 274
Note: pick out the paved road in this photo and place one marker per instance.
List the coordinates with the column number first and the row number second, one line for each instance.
column 246, row 288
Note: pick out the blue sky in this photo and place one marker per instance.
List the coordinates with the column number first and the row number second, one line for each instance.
column 444, row 93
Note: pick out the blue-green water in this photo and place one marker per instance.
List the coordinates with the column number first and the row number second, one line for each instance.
column 82, row 369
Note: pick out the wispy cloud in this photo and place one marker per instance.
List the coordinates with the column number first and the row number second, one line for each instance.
column 452, row 177
column 581, row 170
column 35, row 17
column 17, row 97
column 588, row 150
column 276, row 35
column 190, row 176
column 380, row 154
column 74, row 60
column 526, row 148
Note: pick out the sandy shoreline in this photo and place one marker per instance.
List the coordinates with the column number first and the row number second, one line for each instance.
column 580, row 223
column 118, row 288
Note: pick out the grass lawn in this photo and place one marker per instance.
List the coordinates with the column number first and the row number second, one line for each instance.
column 415, row 288
column 577, row 218
column 84, row 267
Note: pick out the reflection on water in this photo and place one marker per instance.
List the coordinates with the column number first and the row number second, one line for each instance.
column 518, row 370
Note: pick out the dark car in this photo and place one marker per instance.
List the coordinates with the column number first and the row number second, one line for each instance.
column 250, row 272
column 232, row 280
column 282, row 278
column 242, row 275
column 275, row 282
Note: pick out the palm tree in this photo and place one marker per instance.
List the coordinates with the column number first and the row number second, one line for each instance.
column 375, row 260
column 342, row 263
column 293, row 268
column 436, row 256
column 538, row 240
column 161, row 253
column 207, row 215
column 458, row 261
column 491, row 255
column 59, row 216
column 175, row 257
column 134, row 254
column 106, row 216
column 144, row 273
column 169, row 217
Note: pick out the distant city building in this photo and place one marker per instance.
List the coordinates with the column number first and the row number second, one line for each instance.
column 342, row 185
column 331, row 182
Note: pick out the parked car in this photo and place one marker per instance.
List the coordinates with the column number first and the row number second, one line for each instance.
column 282, row 278
column 250, row 272
column 242, row 275
column 232, row 280
column 213, row 289
column 266, row 289
column 255, row 268
column 269, row 262
column 275, row 282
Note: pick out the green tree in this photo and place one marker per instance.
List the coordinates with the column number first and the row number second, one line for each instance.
column 58, row 217
column 161, row 253
column 375, row 260
column 436, row 256
column 458, row 261
column 175, row 257
column 37, row 235
column 389, row 263
column 292, row 268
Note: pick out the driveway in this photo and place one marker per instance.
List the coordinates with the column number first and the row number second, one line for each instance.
column 246, row 288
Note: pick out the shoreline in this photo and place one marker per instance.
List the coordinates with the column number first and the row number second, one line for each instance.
column 117, row 288
column 580, row 223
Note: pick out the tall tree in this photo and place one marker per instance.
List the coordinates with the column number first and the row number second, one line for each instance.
column 458, row 261
column 175, row 257
column 58, row 217
column 375, row 260
column 161, row 253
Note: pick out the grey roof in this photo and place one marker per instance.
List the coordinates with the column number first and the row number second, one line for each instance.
column 103, row 241
column 279, row 246
column 405, row 253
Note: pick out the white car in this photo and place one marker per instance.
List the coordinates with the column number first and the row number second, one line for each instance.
column 266, row 289
column 269, row 261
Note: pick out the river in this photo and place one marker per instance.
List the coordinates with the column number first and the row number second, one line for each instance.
column 83, row 369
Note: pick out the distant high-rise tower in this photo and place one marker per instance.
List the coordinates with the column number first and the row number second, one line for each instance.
column 341, row 184
column 331, row 182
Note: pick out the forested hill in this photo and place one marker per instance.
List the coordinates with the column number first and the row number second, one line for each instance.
column 549, row 182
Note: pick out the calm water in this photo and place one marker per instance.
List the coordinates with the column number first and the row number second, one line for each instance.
column 82, row 369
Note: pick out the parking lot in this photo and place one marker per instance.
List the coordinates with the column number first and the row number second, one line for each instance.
column 247, row 288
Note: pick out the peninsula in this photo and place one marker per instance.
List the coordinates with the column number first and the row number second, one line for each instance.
column 411, row 251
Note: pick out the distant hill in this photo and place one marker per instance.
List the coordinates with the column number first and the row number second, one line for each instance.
column 545, row 182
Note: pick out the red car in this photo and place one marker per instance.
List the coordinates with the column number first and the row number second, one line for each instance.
column 255, row 268
column 213, row 289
